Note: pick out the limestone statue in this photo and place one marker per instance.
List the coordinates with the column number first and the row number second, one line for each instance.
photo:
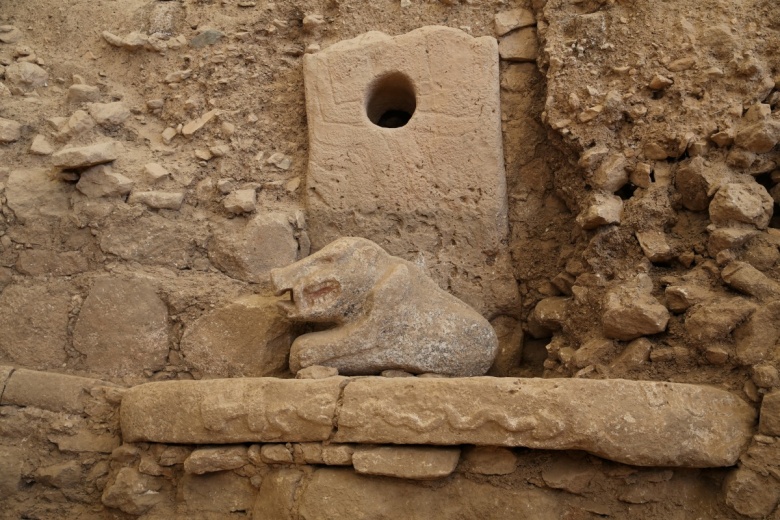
column 387, row 314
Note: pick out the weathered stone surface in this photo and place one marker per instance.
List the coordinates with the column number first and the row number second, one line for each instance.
column 231, row 411
column 747, row 279
column 85, row 441
column 634, row 356
column 276, row 496
column 696, row 181
column 33, row 194
column 81, row 157
column 81, row 93
column 432, row 188
column 133, row 492
column 769, row 423
column 48, row 390
column 567, row 474
column 715, row 319
column 276, row 454
column 102, row 181
column 364, row 498
column 209, row 460
column 316, row 372
column 10, row 130
column 158, row 199
column 747, row 203
column 630, row 311
column 193, row 126
column 151, row 240
column 156, row 172
column 11, row 464
column 654, row 245
column 592, row 351
column 487, row 460
column 248, row 250
column 41, row 261
column 388, row 315
column 63, row 475
column 521, row 45
column 506, row 21
column 338, row 454
column 241, row 201
column 649, row 423
column 109, row 114
column 223, row 493
column 412, row 462
column 750, row 493
column 603, row 210
column 249, row 337
column 38, row 341
column 26, row 75
column 122, row 328
column 40, row 146
column 758, row 131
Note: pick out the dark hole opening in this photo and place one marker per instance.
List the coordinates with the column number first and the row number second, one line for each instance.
column 391, row 100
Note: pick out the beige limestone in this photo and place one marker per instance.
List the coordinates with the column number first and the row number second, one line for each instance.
column 48, row 390
column 411, row 462
column 230, row 411
column 487, row 460
column 520, row 45
column 770, row 414
column 432, row 190
column 388, row 315
column 635, row 422
column 81, row 157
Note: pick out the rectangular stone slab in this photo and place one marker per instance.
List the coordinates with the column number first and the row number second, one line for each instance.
column 223, row 411
column 643, row 423
column 433, row 190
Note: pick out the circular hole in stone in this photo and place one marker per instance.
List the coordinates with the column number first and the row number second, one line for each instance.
column 391, row 100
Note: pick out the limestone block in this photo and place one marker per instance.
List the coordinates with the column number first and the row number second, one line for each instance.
column 635, row 422
column 521, row 45
column 39, row 340
column 333, row 494
column 48, row 390
column 122, row 328
column 389, row 315
column 249, row 337
column 33, row 194
column 770, row 414
column 747, row 203
column 230, row 411
column 249, row 249
column 630, row 311
column 405, row 149
column 569, row 475
column 81, row 93
column 11, row 464
column 412, row 462
column 209, row 460
column 276, row 454
column 151, row 240
column 487, row 460
column 222, row 492
column 42, row 261
column 81, row 157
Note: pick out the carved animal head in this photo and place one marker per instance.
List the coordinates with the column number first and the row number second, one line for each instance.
column 330, row 286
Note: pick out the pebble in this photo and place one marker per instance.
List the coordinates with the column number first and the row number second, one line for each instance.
column 195, row 125
column 219, row 150
column 514, row 19
column 681, row 64
column 203, row 155
column 83, row 93
column 168, row 134
column 158, row 199
column 178, row 76
column 228, row 129
column 9, row 34
column 660, row 82
column 40, row 146
column 10, row 130
column 155, row 172
column 241, row 201
column 280, row 160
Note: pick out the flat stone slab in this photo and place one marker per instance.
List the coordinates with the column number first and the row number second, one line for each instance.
column 643, row 423
column 225, row 411
column 412, row 462
column 405, row 149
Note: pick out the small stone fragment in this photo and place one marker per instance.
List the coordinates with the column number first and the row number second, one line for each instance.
column 769, row 420
column 63, row 475
column 109, row 114
column 766, row 376
column 311, row 22
column 749, row 280
column 26, row 75
column 10, row 131
column 590, row 113
column 102, row 181
column 40, row 146
column 338, row 454
column 276, row 454
column 604, row 210
column 178, row 76
column 655, row 151
column 521, row 45
column 513, row 19
column 411, row 462
column 193, row 126
column 758, row 131
column 660, row 82
column 81, row 157
column 9, row 34
column 487, row 460
column 750, row 493
column 611, row 175
column 158, row 199
column 209, row 460
column 280, row 160
column 631, row 311
column 654, row 245
column 681, row 64
column 636, row 354
column 241, row 201
column 155, row 172
column 207, row 37
column 316, row 372
column 749, row 203
column 168, row 134
column 569, row 475
column 83, row 93
column 133, row 492
column 592, row 351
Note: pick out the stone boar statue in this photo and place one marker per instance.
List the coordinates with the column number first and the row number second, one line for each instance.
column 387, row 315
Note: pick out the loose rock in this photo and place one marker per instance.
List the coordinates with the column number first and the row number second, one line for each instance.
column 158, row 199
column 81, row 157
column 10, row 131
column 521, row 45
column 241, row 201
column 415, row 463
column 513, row 19
column 209, row 460
column 102, row 181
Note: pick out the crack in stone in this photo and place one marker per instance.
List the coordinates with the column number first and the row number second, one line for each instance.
column 5, row 383
column 337, row 411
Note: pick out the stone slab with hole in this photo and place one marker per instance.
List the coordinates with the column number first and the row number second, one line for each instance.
column 405, row 149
